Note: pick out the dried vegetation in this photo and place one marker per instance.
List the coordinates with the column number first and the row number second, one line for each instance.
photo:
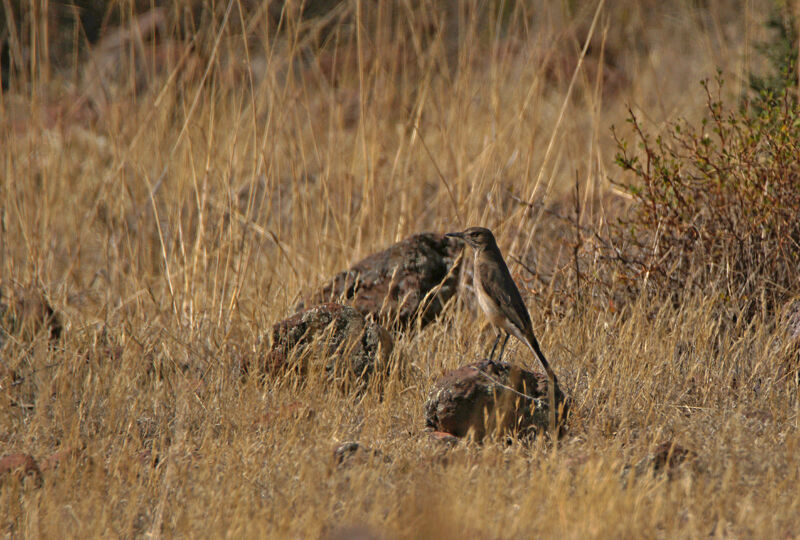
column 174, row 178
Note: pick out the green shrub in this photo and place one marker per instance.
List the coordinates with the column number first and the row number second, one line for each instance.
column 780, row 53
column 716, row 207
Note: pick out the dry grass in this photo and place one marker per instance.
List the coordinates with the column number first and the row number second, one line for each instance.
column 174, row 207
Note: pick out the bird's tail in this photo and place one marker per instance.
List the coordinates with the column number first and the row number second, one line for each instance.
column 533, row 345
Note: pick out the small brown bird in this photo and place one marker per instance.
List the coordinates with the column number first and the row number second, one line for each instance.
column 499, row 297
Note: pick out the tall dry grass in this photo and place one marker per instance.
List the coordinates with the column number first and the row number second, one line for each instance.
column 174, row 193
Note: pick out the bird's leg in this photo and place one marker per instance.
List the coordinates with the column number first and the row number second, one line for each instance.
column 496, row 341
column 503, row 347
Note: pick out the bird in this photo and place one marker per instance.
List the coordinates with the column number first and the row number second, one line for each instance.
column 499, row 298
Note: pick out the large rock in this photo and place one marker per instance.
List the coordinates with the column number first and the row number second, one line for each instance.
column 348, row 343
column 393, row 285
column 490, row 397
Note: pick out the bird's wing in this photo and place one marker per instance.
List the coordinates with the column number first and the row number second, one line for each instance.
column 500, row 286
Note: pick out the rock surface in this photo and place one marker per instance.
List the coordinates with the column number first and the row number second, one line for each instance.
column 348, row 343
column 393, row 285
column 488, row 397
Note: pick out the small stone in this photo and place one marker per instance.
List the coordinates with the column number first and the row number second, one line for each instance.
column 352, row 452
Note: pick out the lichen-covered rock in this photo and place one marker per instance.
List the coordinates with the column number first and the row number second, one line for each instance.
column 491, row 397
column 347, row 344
column 393, row 285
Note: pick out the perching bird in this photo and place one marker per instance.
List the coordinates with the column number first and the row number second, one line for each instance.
column 499, row 297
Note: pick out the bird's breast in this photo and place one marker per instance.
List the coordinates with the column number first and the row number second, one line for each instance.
column 485, row 301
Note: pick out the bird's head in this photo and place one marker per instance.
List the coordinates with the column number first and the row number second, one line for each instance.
column 476, row 237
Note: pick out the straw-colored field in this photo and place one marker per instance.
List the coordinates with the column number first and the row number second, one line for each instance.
column 174, row 191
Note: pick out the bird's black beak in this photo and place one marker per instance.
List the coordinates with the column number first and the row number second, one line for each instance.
column 456, row 234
